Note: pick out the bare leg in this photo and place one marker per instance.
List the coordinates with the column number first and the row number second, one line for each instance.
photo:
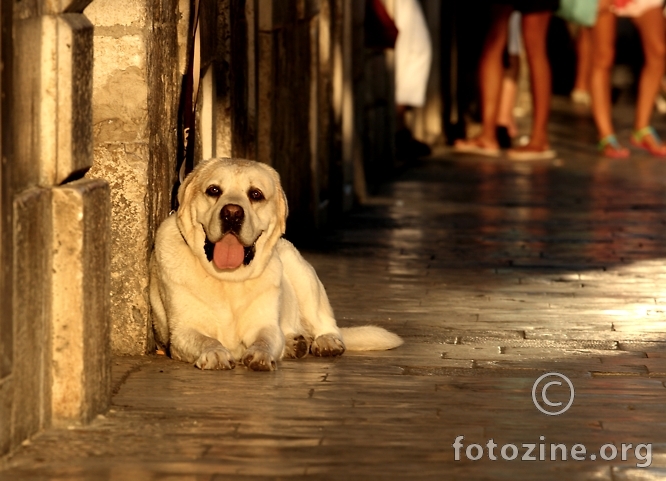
column 508, row 98
column 491, row 73
column 603, row 54
column 583, row 60
column 535, row 27
column 651, row 28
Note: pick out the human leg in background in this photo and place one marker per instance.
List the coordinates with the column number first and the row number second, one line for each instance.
column 506, row 123
column 535, row 28
column 581, row 91
column 491, row 73
column 603, row 55
column 650, row 25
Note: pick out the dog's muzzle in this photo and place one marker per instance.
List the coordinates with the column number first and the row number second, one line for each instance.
column 232, row 217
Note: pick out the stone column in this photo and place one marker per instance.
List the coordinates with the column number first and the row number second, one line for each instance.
column 301, row 100
column 81, row 360
column 6, row 251
column 138, row 65
column 227, row 100
column 50, row 148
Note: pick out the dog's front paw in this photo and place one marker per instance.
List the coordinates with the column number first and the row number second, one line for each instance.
column 216, row 358
column 327, row 345
column 258, row 359
column 296, row 347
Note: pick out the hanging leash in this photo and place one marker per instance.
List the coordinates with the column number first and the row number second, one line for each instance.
column 188, row 104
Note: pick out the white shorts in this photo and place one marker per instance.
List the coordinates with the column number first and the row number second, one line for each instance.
column 636, row 8
column 413, row 53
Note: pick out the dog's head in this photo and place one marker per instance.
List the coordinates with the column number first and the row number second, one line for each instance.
column 232, row 212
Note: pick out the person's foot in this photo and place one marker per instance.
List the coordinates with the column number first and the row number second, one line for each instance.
column 581, row 97
column 660, row 103
column 610, row 147
column 647, row 139
column 532, row 151
column 504, row 137
column 477, row 145
column 407, row 147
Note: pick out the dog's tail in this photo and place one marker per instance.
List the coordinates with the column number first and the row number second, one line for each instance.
column 369, row 338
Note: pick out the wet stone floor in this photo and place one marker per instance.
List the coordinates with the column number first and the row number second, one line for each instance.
column 495, row 274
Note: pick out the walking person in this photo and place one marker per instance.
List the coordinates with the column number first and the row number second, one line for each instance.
column 507, row 129
column 536, row 16
column 413, row 59
column 649, row 20
column 581, row 91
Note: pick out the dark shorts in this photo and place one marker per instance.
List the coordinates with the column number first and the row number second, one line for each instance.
column 529, row 6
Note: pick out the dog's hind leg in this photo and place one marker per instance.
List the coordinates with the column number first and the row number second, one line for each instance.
column 316, row 313
column 296, row 339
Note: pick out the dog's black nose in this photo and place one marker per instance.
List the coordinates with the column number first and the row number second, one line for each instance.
column 232, row 216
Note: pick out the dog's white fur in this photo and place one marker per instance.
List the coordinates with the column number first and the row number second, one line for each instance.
column 273, row 307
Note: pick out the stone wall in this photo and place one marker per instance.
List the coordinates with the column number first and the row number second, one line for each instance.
column 135, row 93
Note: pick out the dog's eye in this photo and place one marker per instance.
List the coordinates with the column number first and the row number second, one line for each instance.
column 213, row 191
column 255, row 195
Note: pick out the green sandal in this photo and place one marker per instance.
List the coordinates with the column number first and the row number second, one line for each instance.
column 610, row 147
column 656, row 147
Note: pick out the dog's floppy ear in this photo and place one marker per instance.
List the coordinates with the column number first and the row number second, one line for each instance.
column 281, row 200
column 282, row 209
column 185, row 212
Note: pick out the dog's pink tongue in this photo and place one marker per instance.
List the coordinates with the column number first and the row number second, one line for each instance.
column 228, row 252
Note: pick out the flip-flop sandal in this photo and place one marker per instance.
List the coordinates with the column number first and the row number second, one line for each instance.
column 610, row 147
column 519, row 154
column 638, row 139
column 473, row 147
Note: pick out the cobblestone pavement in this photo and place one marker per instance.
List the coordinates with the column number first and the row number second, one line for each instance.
column 495, row 273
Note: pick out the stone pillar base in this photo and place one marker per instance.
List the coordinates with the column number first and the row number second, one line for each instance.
column 80, row 287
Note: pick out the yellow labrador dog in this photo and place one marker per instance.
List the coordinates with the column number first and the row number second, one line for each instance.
column 226, row 287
